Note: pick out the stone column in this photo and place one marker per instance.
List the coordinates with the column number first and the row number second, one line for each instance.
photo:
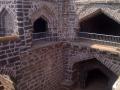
column 68, row 81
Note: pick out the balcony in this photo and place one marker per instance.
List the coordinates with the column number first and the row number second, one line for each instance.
column 97, row 1
column 100, row 38
column 82, row 37
column 45, row 38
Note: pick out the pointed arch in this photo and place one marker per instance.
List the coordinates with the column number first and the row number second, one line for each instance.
column 113, row 14
column 84, row 67
column 40, row 25
column 7, row 23
column 99, row 22
column 47, row 11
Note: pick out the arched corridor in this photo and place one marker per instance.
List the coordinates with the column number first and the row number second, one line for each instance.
column 99, row 23
column 92, row 75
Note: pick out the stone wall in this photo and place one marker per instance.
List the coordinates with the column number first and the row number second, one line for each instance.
column 75, row 12
column 13, row 48
column 9, row 45
column 78, row 53
column 43, row 68
column 97, row 1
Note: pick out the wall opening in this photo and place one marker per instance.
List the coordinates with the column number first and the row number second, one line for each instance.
column 93, row 75
column 100, row 23
column 7, row 26
column 40, row 26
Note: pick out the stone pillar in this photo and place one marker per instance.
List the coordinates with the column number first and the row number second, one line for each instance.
column 24, row 23
column 68, row 81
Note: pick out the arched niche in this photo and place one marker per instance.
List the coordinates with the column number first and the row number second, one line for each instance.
column 48, row 14
column 101, row 23
column 7, row 23
column 40, row 26
column 89, row 72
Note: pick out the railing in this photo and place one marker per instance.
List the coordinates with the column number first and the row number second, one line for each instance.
column 43, row 36
column 98, row 38
column 102, row 38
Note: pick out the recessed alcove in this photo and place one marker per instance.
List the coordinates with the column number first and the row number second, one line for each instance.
column 92, row 75
column 100, row 23
column 40, row 25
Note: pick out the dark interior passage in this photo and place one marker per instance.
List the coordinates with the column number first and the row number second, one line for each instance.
column 40, row 25
column 92, row 75
column 97, row 79
column 101, row 24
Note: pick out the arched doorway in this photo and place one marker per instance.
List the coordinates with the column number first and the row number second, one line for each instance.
column 93, row 75
column 100, row 23
column 40, row 26
column 40, row 29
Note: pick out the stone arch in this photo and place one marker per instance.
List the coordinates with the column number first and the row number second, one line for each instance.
column 83, row 56
column 88, row 54
column 40, row 25
column 86, row 66
column 46, row 11
column 99, row 22
column 10, row 11
column 8, row 18
column 93, row 10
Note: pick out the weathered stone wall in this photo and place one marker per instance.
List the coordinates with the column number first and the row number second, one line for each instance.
column 78, row 53
column 9, row 46
column 75, row 12
column 97, row 1
column 42, row 69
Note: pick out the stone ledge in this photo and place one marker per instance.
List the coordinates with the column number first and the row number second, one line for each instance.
column 39, row 44
column 9, row 38
column 96, row 1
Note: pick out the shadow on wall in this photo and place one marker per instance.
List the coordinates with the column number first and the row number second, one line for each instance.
column 6, row 83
